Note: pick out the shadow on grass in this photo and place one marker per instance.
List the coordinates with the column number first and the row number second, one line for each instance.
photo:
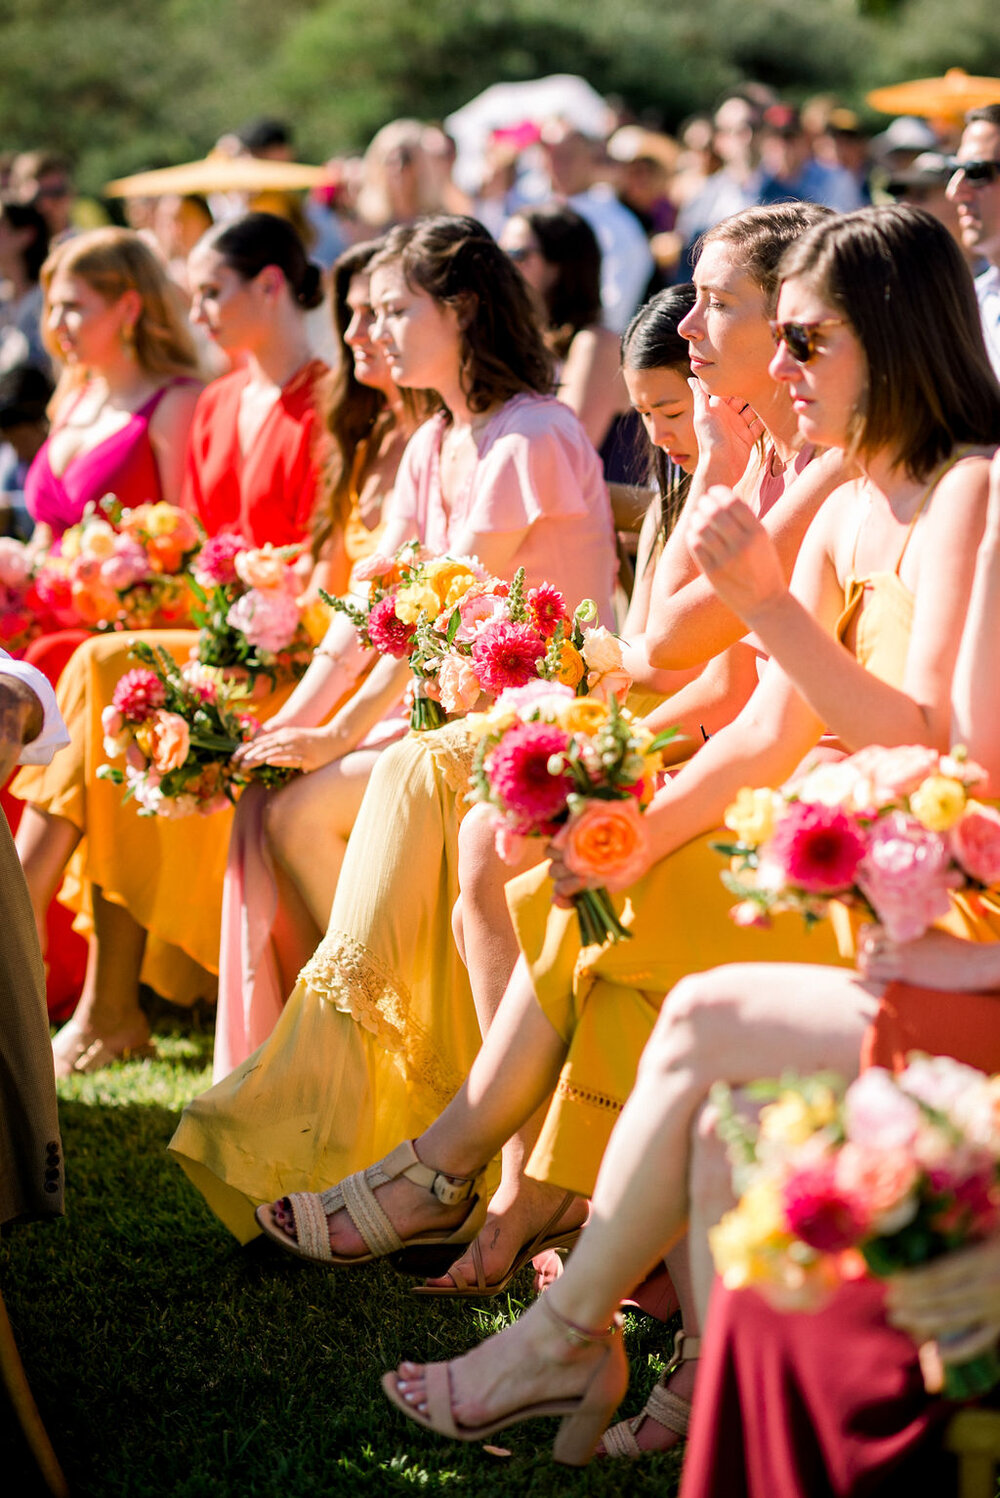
column 166, row 1360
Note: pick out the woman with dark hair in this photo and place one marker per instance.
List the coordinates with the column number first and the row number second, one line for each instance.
column 557, row 253
column 866, row 640
column 368, row 421
column 24, row 246
column 151, row 888
column 505, row 473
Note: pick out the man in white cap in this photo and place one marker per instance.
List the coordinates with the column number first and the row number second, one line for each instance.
column 975, row 190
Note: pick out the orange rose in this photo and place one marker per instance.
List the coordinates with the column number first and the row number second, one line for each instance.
column 571, row 666
column 169, row 741
column 606, row 842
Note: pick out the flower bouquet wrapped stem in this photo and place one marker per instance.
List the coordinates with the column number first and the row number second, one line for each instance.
column 578, row 772
column 178, row 728
column 894, row 1174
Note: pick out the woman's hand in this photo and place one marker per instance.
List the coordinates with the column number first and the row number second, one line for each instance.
column 567, row 883
column 735, row 553
column 727, row 431
column 935, row 960
column 957, row 1296
column 297, row 748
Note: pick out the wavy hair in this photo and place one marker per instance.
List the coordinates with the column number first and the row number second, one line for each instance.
column 354, row 417
column 457, row 261
column 112, row 262
column 899, row 279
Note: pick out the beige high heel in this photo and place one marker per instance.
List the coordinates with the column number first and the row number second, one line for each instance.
column 666, row 1408
column 584, row 1417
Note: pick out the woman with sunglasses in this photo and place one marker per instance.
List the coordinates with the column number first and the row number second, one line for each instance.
column 415, row 1029
column 866, row 641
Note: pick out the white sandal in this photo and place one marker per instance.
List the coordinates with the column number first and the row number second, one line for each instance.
column 667, row 1409
column 355, row 1195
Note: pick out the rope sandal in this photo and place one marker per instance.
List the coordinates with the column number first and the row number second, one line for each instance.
column 355, row 1195
column 667, row 1409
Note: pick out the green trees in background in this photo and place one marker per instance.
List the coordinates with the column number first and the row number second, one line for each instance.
column 124, row 87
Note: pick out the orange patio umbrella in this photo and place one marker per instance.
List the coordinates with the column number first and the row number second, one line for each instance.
column 937, row 98
column 221, row 173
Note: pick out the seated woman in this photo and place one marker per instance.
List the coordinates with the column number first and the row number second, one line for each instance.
column 504, row 473
column 125, row 400
column 368, row 421
column 387, row 993
column 744, row 1022
column 557, row 253
column 250, row 465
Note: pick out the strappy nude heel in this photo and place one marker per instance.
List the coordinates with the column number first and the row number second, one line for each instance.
column 356, row 1195
column 548, row 1237
column 584, row 1417
column 667, row 1409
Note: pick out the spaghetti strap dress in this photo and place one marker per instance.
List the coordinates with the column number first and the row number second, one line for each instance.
column 168, row 874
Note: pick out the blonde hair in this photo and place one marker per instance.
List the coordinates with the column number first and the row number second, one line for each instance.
column 113, row 261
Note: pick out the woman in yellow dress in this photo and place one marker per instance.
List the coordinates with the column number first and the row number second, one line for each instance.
column 383, row 1022
column 867, row 641
column 147, row 891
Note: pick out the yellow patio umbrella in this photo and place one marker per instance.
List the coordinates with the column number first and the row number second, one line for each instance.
column 221, row 173
column 934, row 98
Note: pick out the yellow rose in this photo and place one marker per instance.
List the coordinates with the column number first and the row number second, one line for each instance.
column 160, row 519
column 788, row 1121
column 571, row 666
column 457, row 591
column 316, row 618
column 583, row 715
column 938, row 802
column 445, row 574
column 751, row 815
column 417, row 599
column 744, row 1242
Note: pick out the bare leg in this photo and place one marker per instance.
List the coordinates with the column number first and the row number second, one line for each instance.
column 308, row 822
column 520, row 1207
column 739, row 1022
column 512, row 1075
column 44, row 845
column 108, row 1013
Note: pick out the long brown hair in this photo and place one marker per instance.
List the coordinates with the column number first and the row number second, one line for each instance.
column 457, row 261
column 900, row 280
column 354, row 417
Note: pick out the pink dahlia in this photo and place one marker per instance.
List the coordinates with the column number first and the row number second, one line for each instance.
column 547, row 608
column 388, row 634
column 504, row 655
column 819, row 847
column 820, row 1212
column 519, row 776
column 906, row 876
column 215, row 565
column 138, row 695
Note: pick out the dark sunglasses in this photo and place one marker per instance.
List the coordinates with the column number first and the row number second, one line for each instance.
column 977, row 173
column 521, row 253
column 800, row 338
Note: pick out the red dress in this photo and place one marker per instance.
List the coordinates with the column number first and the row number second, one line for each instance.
column 267, row 493
column 832, row 1405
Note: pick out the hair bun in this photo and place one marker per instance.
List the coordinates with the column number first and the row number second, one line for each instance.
column 310, row 292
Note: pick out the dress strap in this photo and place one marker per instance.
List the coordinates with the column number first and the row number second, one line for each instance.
column 925, row 499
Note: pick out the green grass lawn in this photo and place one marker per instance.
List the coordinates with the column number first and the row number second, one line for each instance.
column 167, row 1360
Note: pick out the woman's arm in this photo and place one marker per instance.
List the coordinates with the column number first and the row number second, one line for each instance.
column 688, row 621
column 591, row 383
column 169, row 430
column 738, row 556
column 714, row 698
column 975, row 699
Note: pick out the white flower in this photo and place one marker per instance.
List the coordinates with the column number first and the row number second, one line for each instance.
column 602, row 650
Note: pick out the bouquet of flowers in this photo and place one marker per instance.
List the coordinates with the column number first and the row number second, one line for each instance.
column 19, row 606
column 468, row 636
column 121, row 569
column 250, row 616
column 894, row 1173
column 577, row 771
column 178, row 728
column 892, row 831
